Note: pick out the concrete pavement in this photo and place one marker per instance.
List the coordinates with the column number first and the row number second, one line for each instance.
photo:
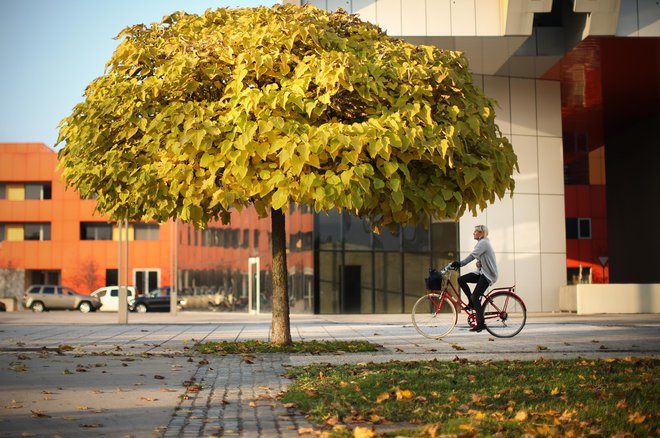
column 70, row 374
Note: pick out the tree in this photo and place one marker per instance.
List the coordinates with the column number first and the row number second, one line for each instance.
column 260, row 107
column 87, row 277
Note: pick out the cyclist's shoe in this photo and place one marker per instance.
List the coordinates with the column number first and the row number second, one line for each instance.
column 478, row 328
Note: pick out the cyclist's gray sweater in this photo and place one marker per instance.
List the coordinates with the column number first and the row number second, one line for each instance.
column 483, row 252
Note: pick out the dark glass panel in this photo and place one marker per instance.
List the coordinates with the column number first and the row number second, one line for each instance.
column 444, row 238
column 387, row 241
column 388, row 282
column 357, row 296
column 357, row 234
column 32, row 232
column 146, row 231
column 33, row 191
column 45, row 231
column 416, row 239
column 329, row 230
column 415, row 269
column 329, row 285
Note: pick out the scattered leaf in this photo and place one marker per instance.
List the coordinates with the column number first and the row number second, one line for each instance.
column 248, row 358
column 521, row 416
column 636, row 418
column 363, row 432
column 312, row 392
column 39, row 414
column 18, row 367
column 382, row 397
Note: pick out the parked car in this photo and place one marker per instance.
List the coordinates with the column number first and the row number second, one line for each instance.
column 109, row 297
column 157, row 300
column 40, row 297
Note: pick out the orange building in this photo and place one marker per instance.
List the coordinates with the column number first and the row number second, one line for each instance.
column 56, row 237
column 48, row 234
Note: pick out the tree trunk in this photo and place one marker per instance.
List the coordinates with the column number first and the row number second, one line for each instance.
column 281, row 326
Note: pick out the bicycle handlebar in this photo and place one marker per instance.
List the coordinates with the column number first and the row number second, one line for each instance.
column 445, row 269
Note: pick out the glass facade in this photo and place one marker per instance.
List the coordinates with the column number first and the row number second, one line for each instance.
column 336, row 264
column 363, row 272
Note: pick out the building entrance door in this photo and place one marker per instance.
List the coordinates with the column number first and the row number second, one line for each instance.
column 254, row 285
column 146, row 280
column 352, row 292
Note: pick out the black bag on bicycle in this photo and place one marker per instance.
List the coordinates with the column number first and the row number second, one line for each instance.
column 434, row 280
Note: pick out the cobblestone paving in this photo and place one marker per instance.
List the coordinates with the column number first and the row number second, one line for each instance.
column 237, row 396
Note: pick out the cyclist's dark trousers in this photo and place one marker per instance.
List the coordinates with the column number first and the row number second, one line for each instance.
column 479, row 289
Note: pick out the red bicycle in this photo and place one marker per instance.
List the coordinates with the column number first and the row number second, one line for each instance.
column 435, row 314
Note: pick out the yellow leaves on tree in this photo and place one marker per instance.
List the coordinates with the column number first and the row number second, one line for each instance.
column 199, row 114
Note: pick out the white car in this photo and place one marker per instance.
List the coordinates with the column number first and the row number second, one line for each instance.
column 109, row 297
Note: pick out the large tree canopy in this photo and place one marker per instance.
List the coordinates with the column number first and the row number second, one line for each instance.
column 200, row 114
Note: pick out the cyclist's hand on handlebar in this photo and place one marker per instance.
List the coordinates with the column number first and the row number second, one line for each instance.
column 455, row 265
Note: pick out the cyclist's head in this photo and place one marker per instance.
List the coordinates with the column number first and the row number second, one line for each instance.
column 482, row 229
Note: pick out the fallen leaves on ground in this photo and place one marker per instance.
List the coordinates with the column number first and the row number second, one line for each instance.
column 36, row 413
column 18, row 367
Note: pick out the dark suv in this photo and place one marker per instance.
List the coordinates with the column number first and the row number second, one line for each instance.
column 157, row 300
column 40, row 297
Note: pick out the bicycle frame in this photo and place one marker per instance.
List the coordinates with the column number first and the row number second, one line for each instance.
column 452, row 293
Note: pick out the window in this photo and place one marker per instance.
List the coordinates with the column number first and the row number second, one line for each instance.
column 578, row 228
column 146, row 231
column 20, row 191
column 2, row 232
column 207, row 237
column 95, row 231
column 37, row 191
column 36, row 231
column 50, row 290
column 235, row 236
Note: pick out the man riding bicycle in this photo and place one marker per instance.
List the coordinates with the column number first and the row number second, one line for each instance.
column 484, row 276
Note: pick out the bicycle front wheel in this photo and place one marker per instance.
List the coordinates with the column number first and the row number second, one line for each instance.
column 434, row 316
column 505, row 314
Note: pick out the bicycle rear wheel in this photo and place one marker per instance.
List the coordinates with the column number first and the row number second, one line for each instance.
column 505, row 314
column 434, row 316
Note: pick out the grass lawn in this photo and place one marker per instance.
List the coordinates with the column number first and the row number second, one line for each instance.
column 579, row 397
column 309, row 347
